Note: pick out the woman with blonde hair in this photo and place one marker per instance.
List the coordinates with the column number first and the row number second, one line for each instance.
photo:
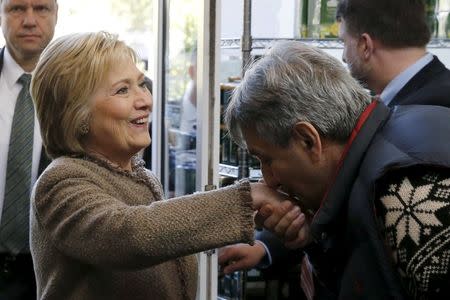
column 99, row 226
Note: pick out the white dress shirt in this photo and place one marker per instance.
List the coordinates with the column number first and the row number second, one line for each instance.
column 396, row 84
column 9, row 91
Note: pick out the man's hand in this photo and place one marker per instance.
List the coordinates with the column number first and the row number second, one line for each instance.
column 240, row 257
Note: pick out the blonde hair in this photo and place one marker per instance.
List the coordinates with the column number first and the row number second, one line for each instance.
column 68, row 72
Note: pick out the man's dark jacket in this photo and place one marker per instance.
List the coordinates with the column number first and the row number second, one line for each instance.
column 430, row 86
column 349, row 255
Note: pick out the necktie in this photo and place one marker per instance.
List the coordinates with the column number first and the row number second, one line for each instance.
column 14, row 225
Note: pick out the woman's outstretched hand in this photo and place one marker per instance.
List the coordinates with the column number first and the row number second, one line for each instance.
column 278, row 213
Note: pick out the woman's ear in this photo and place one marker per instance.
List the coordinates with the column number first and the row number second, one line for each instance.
column 308, row 138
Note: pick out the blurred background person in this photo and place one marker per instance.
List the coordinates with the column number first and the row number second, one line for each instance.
column 27, row 26
column 183, row 162
column 385, row 49
column 188, row 118
column 100, row 227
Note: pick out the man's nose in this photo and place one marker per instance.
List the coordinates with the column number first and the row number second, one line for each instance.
column 269, row 179
column 29, row 18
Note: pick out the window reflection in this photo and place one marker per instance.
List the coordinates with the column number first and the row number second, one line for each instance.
column 181, row 102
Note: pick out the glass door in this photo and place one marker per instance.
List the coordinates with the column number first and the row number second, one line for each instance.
column 176, row 94
column 185, row 123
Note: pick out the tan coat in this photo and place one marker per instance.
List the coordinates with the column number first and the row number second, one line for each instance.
column 98, row 232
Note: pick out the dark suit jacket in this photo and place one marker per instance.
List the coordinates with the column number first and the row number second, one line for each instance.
column 44, row 160
column 430, row 86
column 279, row 253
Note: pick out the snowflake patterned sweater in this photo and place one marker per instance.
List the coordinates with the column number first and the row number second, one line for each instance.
column 382, row 231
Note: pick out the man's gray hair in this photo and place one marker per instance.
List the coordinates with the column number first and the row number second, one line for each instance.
column 295, row 82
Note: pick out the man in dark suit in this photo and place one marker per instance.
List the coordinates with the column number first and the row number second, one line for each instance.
column 28, row 27
column 385, row 49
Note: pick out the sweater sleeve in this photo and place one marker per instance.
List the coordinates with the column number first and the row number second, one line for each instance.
column 87, row 223
column 414, row 206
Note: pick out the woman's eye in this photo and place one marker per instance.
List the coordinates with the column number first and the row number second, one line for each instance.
column 123, row 90
column 143, row 85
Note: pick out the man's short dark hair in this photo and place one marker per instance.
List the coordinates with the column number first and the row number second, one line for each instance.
column 395, row 23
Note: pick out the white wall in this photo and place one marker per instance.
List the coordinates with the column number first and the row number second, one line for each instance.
column 443, row 54
column 270, row 18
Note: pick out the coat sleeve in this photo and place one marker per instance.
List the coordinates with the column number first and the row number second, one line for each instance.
column 280, row 256
column 86, row 223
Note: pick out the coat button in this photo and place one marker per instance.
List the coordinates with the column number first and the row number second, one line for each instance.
column 324, row 235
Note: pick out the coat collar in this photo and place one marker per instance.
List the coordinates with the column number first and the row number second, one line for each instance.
column 335, row 200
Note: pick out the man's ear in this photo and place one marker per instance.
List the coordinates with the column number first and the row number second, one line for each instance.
column 307, row 136
column 366, row 46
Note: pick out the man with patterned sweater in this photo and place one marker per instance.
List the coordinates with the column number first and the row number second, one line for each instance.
column 374, row 182
column 385, row 50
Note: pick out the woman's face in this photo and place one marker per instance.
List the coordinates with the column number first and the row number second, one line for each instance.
column 121, row 106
